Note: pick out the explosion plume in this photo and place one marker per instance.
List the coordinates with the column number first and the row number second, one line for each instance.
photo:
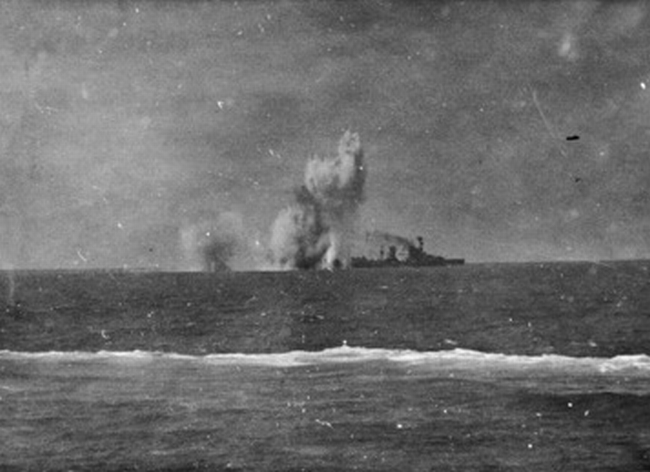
column 216, row 244
column 315, row 231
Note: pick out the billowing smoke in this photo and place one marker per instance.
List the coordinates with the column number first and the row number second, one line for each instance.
column 392, row 245
column 315, row 232
column 382, row 237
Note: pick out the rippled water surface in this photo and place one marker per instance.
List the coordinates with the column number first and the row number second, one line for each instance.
column 476, row 368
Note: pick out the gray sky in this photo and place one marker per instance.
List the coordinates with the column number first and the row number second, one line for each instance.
column 123, row 124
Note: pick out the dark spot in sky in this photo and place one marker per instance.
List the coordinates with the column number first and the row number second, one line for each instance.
column 577, row 179
column 574, row 137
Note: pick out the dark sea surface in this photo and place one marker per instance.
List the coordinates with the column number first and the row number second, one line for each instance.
column 542, row 367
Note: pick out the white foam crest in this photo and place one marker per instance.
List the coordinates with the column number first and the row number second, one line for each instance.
column 466, row 359
column 70, row 356
column 456, row 359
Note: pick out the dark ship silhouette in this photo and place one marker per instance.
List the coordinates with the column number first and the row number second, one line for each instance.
column 402, row 253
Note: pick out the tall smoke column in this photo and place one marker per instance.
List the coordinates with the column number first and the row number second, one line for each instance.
column 314, row 233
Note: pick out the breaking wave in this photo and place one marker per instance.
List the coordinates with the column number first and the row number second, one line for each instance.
column 455, row 360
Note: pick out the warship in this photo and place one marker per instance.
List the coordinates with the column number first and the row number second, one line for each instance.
column 403, row 253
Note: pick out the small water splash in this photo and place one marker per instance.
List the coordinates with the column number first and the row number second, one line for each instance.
column 11, row 287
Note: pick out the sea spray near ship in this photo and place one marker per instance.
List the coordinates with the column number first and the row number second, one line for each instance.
column 315, row 231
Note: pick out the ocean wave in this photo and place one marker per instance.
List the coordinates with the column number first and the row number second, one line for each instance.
column 455, row 359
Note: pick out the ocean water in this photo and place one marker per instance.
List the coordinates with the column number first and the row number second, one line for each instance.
column 540, row 367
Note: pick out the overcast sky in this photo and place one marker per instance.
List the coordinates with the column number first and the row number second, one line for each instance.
column 499, row 131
